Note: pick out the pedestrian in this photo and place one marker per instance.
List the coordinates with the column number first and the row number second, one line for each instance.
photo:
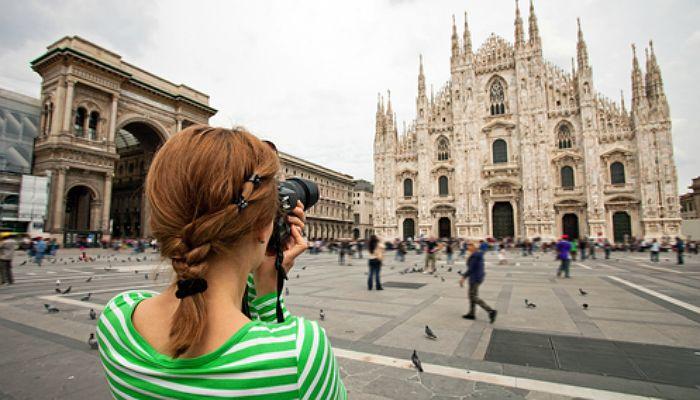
column 462, row 249
column 401, row 251
column 592, row 246
column 574, row 249
column 680, row 249
column 483, row 246
column 563, row 248
column 475, row 272
column 607, row 247
column 376, row 255
column 341, row 253
column 449, row 250
column 359, row 249
column 8, row 245
column 431, row 248
column 654, row 249
column 582, row 247
column 39, row 250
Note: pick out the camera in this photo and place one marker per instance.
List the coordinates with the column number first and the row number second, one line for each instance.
column 289, row 192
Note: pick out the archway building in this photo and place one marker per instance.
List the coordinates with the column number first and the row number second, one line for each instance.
column 514, row 146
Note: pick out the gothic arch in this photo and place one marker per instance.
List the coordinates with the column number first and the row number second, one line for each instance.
column 565, row 135
column 497, row 92
column 442, row 146
column 96, row 194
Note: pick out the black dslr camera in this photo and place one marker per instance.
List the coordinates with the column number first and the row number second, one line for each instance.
column 289, row 192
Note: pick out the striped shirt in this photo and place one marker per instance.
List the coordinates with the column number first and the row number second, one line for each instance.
column 263, row 360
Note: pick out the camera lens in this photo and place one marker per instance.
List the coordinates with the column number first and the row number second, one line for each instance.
column 306, row 191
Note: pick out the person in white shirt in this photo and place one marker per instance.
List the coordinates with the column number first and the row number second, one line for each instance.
column 655, row 248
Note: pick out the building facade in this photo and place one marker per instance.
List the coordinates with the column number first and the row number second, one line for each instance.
column 19, row 125
column 513, row 146
column 690, row 202
column 362, row 209
column 331, row 217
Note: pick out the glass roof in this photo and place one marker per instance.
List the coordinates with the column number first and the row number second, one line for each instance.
column 125, row 139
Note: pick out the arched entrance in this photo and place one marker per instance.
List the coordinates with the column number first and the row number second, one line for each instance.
column 356, row 233
column 569, row 225
column 502, row 220
column 78, row 207
column 136, row 145
column 622, row 226
column 445, row 227
column 409, row 228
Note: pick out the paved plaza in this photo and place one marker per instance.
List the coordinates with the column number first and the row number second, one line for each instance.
column 639, row 336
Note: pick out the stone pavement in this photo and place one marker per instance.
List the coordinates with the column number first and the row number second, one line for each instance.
column 630, row 301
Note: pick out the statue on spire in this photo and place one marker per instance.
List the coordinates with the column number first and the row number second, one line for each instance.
column 455, row 40
column 534, row 31
column 467, row 39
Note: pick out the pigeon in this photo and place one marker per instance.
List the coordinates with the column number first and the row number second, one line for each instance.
column 583, row 292
column 92, row 342
column 93, row 314
column 67, row 290
column 304, row 267
column 449, row 269
column 530, row 305
column 443, row 278
column 416, row 361
column 286, row 291
column 23, row 262
column 88, row 279
column 145, row 276
column 86, row 297
column 585, row 306
column 429, row 333
column 58, row 290
column 129, row 258
column 51, row 309
column 136, row 271
column 297, row 276
column 58, row 282
column 321, row 315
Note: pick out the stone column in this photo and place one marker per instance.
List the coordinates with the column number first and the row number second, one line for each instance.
column 68, row 106
column 59, row 200
column 113, row 120
column 178, row 125
column 95, row 215
column 106, row 204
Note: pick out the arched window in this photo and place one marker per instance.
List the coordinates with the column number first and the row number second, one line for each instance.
column 407, row 187
column 617, row 173
column 443, row 149
column 567, row 177
column 565, row 138
column 79, row 123
column 500, row 151
column 92, row 125
column 443, row 187
column 497, row 97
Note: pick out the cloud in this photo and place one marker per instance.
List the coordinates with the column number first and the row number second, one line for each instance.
column 306, row 74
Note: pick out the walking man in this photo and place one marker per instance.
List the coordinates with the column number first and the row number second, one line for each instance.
column 431, row 249
column 563, row 247
column 39, row 250
column 7, row 251
column 475, row 272
column 680, row 249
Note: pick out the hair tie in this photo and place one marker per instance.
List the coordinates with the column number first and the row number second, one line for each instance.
column 241, row 202
column 255, row 180
column 189, row 287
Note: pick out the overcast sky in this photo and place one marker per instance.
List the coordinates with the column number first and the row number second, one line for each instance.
column 306, row 73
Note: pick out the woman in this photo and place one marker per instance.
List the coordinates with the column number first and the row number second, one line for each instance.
column 376, row 255
column 214, row 332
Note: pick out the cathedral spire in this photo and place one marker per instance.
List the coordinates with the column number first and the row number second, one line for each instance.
column 534, row 31
column 573, row 67
column 519, row 33
column 467, row 39
column 622, row 102
column 455, row 40
column 389, row 111
column 581, row 48
column 637, row 82
column 421, row 77
column 379, row 103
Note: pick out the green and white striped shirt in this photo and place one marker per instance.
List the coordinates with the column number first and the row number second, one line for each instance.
column 263, row 360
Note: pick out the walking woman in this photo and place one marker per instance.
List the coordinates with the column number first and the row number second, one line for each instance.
column 376, row 255
column 214, row 332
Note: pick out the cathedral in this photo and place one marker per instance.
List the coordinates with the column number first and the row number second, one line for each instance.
column 515, row 147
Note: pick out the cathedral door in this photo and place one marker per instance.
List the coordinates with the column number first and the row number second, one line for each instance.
column 409, row 228
column 445, row 227
column 622, row 226
column 502, row 217
column 569, row 224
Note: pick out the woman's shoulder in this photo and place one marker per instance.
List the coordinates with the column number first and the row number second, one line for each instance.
column 126, row 300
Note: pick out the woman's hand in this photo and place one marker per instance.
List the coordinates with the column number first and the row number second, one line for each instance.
column 265, row 275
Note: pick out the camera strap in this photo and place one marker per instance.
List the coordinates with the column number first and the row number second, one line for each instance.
column 281, row 276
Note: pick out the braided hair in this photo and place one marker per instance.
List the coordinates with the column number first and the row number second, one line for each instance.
column 198, row 186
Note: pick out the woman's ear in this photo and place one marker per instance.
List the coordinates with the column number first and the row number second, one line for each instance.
column 263, row 234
